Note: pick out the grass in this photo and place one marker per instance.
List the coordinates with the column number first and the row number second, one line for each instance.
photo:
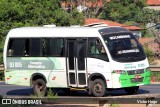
column 1, row 75
column 50, row 94
column 155, row 76
column 114, row 105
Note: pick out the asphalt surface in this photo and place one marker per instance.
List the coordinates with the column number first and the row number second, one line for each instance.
column 14, row 90
column 81, row 98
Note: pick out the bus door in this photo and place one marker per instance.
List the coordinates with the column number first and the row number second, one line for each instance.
column 76, row 62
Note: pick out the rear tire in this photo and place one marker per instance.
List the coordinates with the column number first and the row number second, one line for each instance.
column 39, row 88
column 132, row 90
column 98, row 88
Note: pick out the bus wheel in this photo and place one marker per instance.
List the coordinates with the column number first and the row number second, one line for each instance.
column 39, row 88
column 98, row 88
column 131, row 90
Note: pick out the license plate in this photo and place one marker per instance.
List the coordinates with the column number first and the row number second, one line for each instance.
column 137, row 76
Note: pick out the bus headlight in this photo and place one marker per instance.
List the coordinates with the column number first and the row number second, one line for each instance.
column 119, row 72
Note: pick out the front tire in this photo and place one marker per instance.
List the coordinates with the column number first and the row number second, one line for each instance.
column 98, row 88
column 132, row 90
column 39, row 88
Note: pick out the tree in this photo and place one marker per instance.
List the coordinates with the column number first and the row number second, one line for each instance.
column 20, row 13
column 17, row 13
column 129, row 12
column 124, row 10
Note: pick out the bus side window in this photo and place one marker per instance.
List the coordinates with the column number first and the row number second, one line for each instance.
column 56, row 47
column 10, row 48
column 96, row 49
column 35, row 47
column 26, row 52
column 93, row 47
column 46, row 42
column 16, row 47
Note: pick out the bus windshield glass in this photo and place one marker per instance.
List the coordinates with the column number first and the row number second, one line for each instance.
column 124, row 47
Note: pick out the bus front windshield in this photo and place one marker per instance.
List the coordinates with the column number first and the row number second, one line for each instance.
column 124, row 47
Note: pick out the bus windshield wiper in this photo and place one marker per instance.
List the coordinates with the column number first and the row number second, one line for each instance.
column 129, row 57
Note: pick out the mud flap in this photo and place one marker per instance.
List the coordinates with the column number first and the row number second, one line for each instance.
column 90, row 87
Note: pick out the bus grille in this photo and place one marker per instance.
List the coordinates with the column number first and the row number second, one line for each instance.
column 139, row 71
column 133, row 80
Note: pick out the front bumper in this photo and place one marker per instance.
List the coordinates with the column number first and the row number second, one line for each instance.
column 125, row 80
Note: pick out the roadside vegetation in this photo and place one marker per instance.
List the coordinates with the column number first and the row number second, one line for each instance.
column 155, row 77
column 149, row 53
column 1, row 75
column 50, row 94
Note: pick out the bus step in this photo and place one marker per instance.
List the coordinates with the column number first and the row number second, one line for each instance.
column 83, row 89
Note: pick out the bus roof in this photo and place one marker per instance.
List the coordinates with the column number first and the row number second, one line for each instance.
column 61, row 31
column 53, row 32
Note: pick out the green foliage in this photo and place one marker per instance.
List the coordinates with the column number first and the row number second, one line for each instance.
column 151, row 15
column 149, row 53
column 1, row 49
column 147, row 33
column 131, row 12
column 156, row 76
column 114, row 105
column 16, row 13
column 77, row 18
column 21, row 13
column 1, row 75
column 129, row 23
column 124, row 10
column 51, row 94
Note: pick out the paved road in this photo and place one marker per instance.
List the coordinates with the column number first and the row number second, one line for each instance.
column 81, row 98
column 14, row 90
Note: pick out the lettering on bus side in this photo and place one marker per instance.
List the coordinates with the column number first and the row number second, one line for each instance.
column 33, row 63
column 37, row 64
column 15, row 64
